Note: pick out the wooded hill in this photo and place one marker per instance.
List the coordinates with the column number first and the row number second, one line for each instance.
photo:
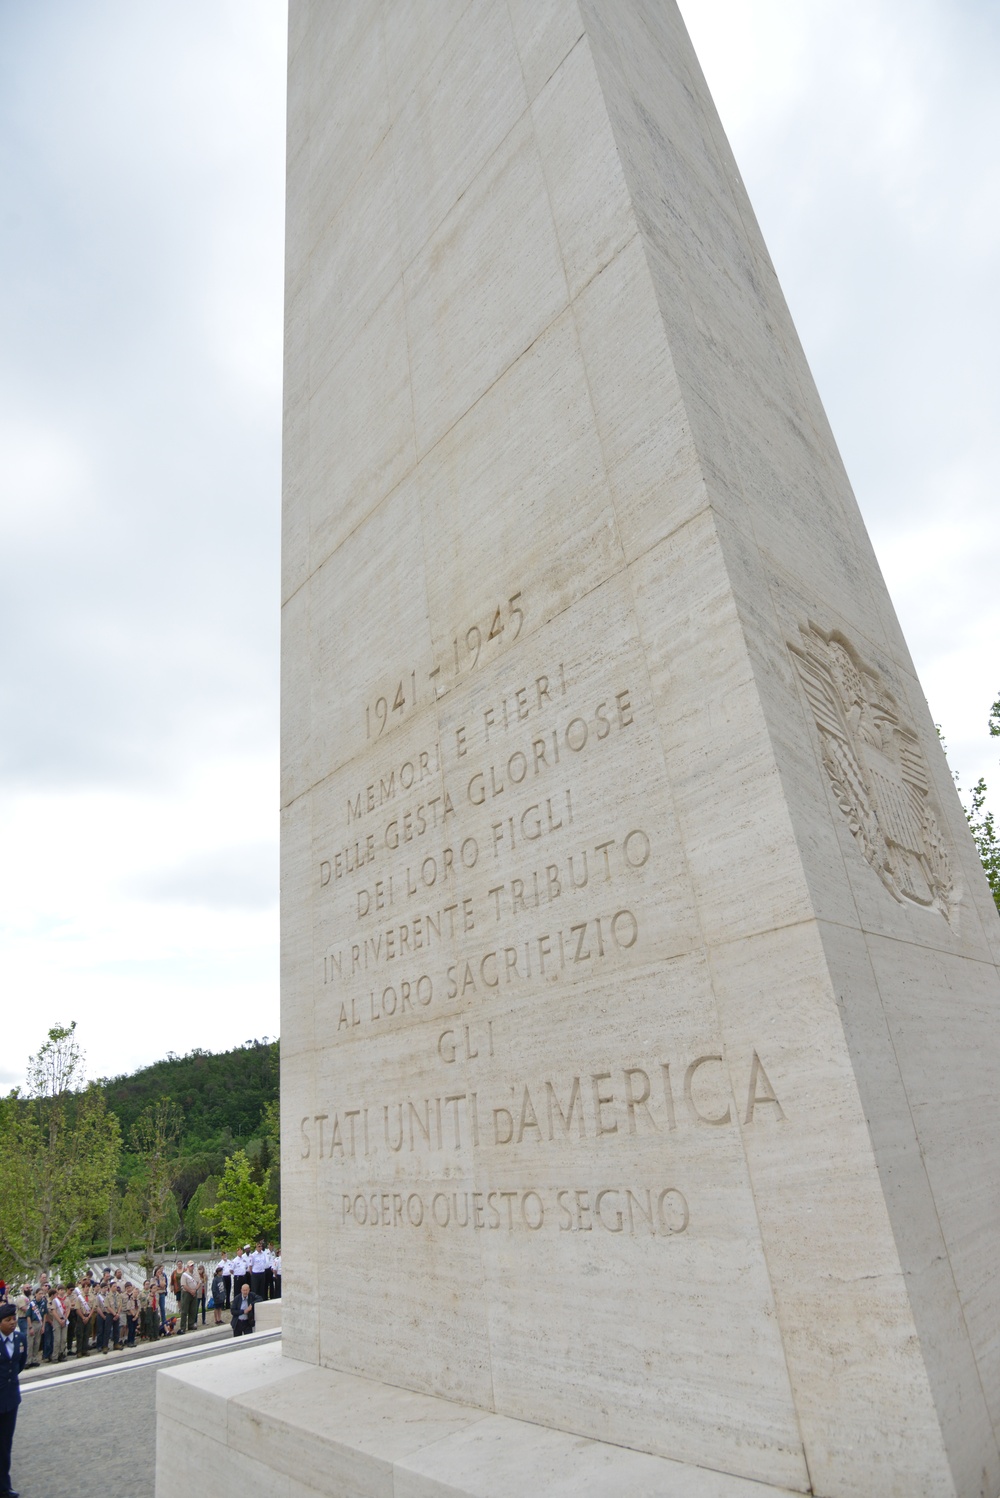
column 227, row 1102
column 222, row 1096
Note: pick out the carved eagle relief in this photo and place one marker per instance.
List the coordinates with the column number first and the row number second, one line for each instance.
column 877, row 771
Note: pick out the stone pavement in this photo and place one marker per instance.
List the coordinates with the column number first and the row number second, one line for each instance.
column 87, row 1428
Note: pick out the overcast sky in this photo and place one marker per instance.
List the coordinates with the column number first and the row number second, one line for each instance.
column 140, row 391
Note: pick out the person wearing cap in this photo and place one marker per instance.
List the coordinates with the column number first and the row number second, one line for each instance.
column 13, row 1356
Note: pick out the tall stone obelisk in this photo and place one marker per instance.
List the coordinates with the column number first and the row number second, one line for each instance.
column 640, row 1013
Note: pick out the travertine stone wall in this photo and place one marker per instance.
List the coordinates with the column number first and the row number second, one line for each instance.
column 640, row 1001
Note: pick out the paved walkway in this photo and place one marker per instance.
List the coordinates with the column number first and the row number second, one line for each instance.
column 197, row 1338
column 87, row 1428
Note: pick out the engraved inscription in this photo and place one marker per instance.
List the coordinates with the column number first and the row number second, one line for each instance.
column 470, row 646
column 392, row 887
column 395, row 704
column 622, row 1101
column 656, row 1211
column 509, row 856
column 475, row 644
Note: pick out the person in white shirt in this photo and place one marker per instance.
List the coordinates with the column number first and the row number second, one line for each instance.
column 258, row 1270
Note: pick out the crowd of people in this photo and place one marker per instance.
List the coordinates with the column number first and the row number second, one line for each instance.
column 107, row 1311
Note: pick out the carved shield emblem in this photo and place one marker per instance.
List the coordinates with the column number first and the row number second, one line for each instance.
column 878, row 774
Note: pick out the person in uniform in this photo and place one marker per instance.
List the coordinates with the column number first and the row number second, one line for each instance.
column 36, row 1313
column 241, row 1268
column 160, row 1288
column 45, row 1291
column 13, row 1356
column 259, row 1260
column 58, row 1321
column 102, row 1315
column 175, row 1287
column 130, row 1300
column 189, row 1299
column 82, row 1305
column 114, row 1305
column 149, row 1304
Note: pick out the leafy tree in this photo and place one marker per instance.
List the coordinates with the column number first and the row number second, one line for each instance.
column 981, row 821
column 59, row 1151
column 150, row 1208
column 270, row 1129
column 270, row 1125
column 197, row 1227
column 242, row 1212
column 984, row 829
column 259, row 1155
column 58, row 1065
column 193, row 1166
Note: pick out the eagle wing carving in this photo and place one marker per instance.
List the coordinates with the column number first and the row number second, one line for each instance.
column 840, row 757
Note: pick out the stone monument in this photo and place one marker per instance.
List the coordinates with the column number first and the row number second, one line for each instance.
column 640, row 1020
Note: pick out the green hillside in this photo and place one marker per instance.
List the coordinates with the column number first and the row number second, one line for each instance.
column 225, row 1102
column 222, row 1096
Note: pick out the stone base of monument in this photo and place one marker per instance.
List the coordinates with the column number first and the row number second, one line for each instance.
column 261, row 1424
column 267, row 1316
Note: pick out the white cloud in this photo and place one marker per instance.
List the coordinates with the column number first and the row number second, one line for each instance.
column 122, row 911
column 141, row 375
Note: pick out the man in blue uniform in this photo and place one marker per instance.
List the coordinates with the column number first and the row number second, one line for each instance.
column 13, row 1355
